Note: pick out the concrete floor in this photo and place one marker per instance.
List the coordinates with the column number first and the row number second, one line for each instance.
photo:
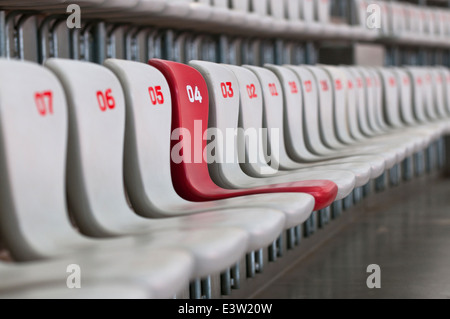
column 406, row 232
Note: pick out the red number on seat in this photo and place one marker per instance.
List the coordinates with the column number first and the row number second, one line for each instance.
column 251, row 90
column 406, row 80
column 338, row 85
column 194, row 94
column 44, row 102
column 392, row 82
column 294, row 88
column 227, row 89
column 360, row 84
column 324, row 85
column 273, row 89
column 106, row 100
column 156, row 96
column 350, row 85
column 308, row 86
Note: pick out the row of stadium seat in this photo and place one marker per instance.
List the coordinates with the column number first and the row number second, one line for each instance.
column 407, row 23
column 140, row 151
column 403, row 22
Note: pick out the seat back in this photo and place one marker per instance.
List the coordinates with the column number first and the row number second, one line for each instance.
column 430, row 105
column 224, row 155
column 326, row 107
column 405, row 96
column 273, row 121
column 307, row 10
column 251, row 122
column 341, row 115
column 379, row 112
column 148, row 130
column 361, row 104
column 311, row 125
column 33, row 141
column 293, row 10
column 96, row 193
column 293, row 120
column 350, row 101
column 391, row 97
column 438, row 92
column 418, row 95
column 370, row 98
column 322, row 10
column 190, row 112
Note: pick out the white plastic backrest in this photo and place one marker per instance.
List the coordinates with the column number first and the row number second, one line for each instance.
column 307, row 10
column 148, row 131
column 439, row 20
column 293, row 10
column 438, row 92
column 339, row 89
column 361, row 104
column 429, row 26
column 96, row 193
column 224, row 98
column 385, row 22
column 430, row 106
column 409, row 23
column 326, row 107
column 379, row 113
column 260, row 7
column 33, row 142
column 274, row 104
column 240, row 5
column 322, row 11
column 419, row 17
column 250, row 119
column 370, row 94
column 310, row 93
column 418, row 95
column 391, row 97
column 352, row 110
column 446, row 81
column 405, row 96
column 361, row 12
column 278, row 9
column 293, row 111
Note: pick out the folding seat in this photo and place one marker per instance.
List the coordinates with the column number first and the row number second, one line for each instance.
column 330, row 145
column 142, row 168
column 422, row 99
column 274, row 120
column 105, row 212
column 404, row 147
column 34, row 223
column 224, row 114
column 392, row 111
column 192, row 180
column 102, row 275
